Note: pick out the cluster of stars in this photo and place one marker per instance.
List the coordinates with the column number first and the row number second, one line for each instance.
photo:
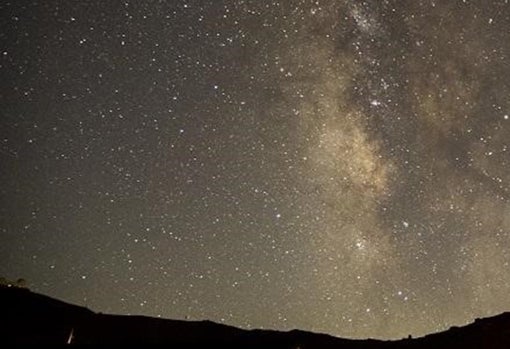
column 333, row 166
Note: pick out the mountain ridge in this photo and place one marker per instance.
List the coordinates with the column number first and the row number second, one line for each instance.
column 32, row 319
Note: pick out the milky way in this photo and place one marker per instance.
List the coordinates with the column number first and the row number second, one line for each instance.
column 333, row 166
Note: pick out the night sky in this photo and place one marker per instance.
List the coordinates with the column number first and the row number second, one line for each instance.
column 334, row 166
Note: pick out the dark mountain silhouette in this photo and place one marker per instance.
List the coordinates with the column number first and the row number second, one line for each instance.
column 32, row 320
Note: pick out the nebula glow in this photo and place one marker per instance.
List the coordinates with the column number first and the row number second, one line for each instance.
column 333, row 166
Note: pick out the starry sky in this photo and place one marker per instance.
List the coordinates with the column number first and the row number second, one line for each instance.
column 333, row 166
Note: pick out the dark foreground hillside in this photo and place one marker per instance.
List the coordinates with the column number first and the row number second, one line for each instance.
column 31, row 320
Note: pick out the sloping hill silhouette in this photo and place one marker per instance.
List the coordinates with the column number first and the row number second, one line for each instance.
column 31, row 320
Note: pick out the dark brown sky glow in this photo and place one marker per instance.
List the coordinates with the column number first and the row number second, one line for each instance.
column 335, row 166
